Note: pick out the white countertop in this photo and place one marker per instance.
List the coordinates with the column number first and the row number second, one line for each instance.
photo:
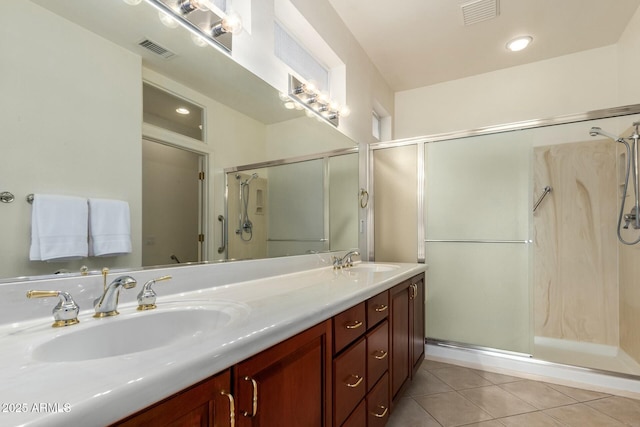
column 98, row 392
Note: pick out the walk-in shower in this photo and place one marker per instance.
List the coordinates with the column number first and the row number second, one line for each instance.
column 631, row 171
column 245, row 226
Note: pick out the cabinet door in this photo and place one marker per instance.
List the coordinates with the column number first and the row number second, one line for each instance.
column 418, row 325
column 287, row 383
column 205, row 404
column 400, row 346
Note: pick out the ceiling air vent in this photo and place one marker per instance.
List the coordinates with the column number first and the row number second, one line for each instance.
column 479, row 10
column 156, row 48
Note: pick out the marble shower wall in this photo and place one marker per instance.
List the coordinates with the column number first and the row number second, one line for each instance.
column 576, row 295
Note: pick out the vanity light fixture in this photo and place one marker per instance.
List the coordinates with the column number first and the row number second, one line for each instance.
column 188, row 6
column 519, row 43
column 316, row 103
column 196, row 16
column 182, row 110
column 229, row 24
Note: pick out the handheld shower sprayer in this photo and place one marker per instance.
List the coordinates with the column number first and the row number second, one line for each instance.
column 245, row 226
column 631, row 169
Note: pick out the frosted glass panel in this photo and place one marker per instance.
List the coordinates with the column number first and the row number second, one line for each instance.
column 478, row 188
column 478, row 294
column 477, row 202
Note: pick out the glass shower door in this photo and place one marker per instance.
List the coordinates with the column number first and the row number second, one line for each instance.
column 477, row 216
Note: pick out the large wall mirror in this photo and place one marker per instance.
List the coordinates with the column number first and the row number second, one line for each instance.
column 72, row 121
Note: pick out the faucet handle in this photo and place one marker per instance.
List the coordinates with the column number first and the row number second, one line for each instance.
column 337, row 262
column 65, row 313
column 147, row 296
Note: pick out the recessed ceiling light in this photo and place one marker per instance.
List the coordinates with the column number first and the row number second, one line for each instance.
column 182, row 110
column 519, row 43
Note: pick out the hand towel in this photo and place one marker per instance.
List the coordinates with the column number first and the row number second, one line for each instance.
column 109, row 227
column 58, row 228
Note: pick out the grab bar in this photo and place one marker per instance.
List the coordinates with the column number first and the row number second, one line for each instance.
column 297, row 240
column 224, row 234
column 547, row 190
column 474, row 241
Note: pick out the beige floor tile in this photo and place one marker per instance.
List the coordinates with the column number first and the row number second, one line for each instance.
column 451, row 409
column 409, row 414
column 578, row 394
column 426, row 383
column 620, row 408
column 496, row 401
column 581, row 415
column 532, row 419
column 497, row 378
column 460, row 378
column 491, row 423
column 432, row 364
column 537, row 394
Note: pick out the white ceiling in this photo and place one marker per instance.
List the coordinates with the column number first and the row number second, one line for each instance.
column 417, row 43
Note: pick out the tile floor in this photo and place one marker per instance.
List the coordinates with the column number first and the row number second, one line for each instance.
column 448, row 395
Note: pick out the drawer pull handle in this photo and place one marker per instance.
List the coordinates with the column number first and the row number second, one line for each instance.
column 355, row 325
column 380, row 354
column 232, row 408
column 381, row 308
column 384, row 412
column 359, row 380
column 254, row 406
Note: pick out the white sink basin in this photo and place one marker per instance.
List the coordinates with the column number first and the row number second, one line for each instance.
column 373, row 268
column 138, row 331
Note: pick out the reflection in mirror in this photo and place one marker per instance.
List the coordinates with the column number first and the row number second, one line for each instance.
column 72, row 109
column 294, row 208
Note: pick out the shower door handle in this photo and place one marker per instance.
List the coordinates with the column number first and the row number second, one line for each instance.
column 224, row 234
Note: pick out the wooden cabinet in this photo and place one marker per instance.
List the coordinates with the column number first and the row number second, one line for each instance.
column 407, row 331
column 285, row 384
column 361, row 364
column 344, row 372
column 206, row 404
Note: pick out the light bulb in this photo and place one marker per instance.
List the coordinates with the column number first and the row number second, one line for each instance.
column 289, row 105
column 182, row 110
column 283, row 97
column 168, row 20
column 344, row 111
column 229, row 24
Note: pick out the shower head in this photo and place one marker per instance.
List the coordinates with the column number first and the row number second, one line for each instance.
column 251, row 178
column 595, row 131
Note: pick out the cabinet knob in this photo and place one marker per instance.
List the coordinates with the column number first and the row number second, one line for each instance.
column 380, row 308
column 232, row 408
column 355, row 325
column 358, row 381
column 380, row 414
column 380, row 354
column 254, row 405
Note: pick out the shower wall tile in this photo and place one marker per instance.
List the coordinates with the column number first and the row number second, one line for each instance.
column 575, row 243
column 630, row 299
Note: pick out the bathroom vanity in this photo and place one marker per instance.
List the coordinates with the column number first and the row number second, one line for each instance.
column 308, row 344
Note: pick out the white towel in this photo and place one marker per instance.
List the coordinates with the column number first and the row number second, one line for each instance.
column 109, row 227
column 58, row 228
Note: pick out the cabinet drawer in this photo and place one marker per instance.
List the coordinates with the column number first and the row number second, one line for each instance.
column 349, row 326
column 349, row 380
column 358, row 418
column 377, row 353
column 377, row 308
column 378, row 403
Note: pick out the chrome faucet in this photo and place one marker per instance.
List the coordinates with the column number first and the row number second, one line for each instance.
column 107, row 304
column 346, row 260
